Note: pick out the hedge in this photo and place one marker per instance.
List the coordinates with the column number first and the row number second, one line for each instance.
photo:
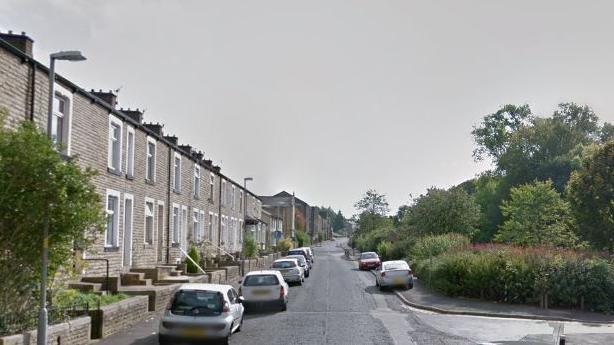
column 523, row 275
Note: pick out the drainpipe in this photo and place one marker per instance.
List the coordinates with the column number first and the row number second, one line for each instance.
column 169, row 208
column 32, row 90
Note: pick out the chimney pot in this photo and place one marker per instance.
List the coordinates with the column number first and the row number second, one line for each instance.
column 21, row 42
column 108, row 97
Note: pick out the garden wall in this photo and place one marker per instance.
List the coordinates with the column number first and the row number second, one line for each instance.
column 117, row 316
column 73, row 332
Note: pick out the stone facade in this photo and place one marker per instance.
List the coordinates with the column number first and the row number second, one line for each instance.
column 140, row 209
column 118, row 316
column 73, row 332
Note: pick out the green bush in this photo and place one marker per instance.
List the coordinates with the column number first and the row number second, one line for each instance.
column 384, row 250
column 302, row 239
column 434, row 245
column 284, row 245
column 251, row 248
column 522, row 275
column 70, row 297
column 194, row 255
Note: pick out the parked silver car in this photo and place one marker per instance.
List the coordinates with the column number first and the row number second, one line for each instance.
column 201, row 312
column 290, row 270
column 394, row 273
column 262, row 288
column 302, row 262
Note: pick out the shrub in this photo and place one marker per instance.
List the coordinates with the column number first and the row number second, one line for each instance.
column 522, row 275
column 284, row 245
column 75, row 298
column 302, row 239
column 251, row 248
column 384, row 250
column 434, row 245
column 194, row 255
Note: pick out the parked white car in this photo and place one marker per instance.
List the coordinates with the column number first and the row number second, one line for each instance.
column 201, row 312
column 310, row 252
column 394, row 273
column 263, row 288
column 302, row 262
column 290, row 270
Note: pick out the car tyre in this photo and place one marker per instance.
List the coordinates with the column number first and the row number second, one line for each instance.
column 240, row 325
column 284, row 306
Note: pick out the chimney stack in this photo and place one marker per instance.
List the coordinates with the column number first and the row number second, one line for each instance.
column 108, row 96
column 21, row 42
column 173, row 139
column 136, row 115
column 186, row 148
column 154, row 127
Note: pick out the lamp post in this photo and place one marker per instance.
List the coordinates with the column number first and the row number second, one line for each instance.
column 244, row 219
column 41, row 334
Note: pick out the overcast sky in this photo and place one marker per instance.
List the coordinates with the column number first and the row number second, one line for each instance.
column 330, row 98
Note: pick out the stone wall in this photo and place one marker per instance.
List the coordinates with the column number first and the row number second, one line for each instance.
column 73, row 332
column 117, row 316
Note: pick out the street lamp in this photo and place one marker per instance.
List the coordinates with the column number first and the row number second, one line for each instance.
column 41, row 334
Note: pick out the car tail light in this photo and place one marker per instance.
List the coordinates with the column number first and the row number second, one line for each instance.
column 383, row 274
column 226, row 307
column 281, row 291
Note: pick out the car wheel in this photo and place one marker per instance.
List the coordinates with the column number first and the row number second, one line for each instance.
column 240, row 324
column 284, row 306
column 300, row 282
column 226, row 340
column 381, row 288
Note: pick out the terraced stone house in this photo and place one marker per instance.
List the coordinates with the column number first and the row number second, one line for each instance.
column 160, row 196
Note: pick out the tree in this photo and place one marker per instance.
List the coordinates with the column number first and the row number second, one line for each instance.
column 37, row 185
column 373, row 203
column 591, row 194
column 338, row 221
column 492, row 136
column 536, row 214
column 442, row 211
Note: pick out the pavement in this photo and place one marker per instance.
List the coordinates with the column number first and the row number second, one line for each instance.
column 338, row 304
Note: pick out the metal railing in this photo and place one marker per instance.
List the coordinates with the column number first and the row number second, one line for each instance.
column 192, row 260
column 220, row 249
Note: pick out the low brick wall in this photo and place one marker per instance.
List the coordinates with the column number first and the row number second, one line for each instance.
column 217, row 276
column 232, row 273
column 73, row 332
column 117, row 316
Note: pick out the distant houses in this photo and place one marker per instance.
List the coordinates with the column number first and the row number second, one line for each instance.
column 161, row 196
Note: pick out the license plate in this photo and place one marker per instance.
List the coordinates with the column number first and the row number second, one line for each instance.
column 193, row 332
column 399, row 281
column 283, row 271
column 261, row 292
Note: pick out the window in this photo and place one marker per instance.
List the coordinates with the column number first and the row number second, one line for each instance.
column 233, row 198
column 240, row 230
column 130, row 151
column 184, row 226
column 111, row 231
column 211, row 186
column 61, row 119
column 224, row 232
column 196, row 225
column 196, row 181
column 150, row 167
column 223, row 192
column 211, row 235
column 202, row 228
column 115, row 144
column 240, row 200
column 149, row 220
column 177, row 172
column 176, row 220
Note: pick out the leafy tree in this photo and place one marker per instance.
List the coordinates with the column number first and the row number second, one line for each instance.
column 607, row 132
column 492, row 136
column 489, row 192
column 38, row 186
column 302, row 239
column 251, row 248
column 374, row 203
column 338, row 221
column 284, row 244
column 536, row 214
column 442, row 211
column 591, row 194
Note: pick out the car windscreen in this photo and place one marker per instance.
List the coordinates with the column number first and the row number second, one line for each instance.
column 297, row 252
column 261, row 280
column 300, row 258
column 396, row 266
column 368, row 256
column 284, row 264
column 197, row 303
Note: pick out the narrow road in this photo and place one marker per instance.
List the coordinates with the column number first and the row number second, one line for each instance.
column 340, row 305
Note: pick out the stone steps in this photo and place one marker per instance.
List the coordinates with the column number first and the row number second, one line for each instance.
column 86, row 287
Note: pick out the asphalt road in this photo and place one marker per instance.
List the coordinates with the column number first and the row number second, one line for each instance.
column 340, row 305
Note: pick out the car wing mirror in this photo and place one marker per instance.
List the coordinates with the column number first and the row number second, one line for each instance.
column 241, row 299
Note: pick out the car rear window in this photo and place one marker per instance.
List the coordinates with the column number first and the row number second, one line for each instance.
column 261, row 280
column 296, row 252
column 300, row 258
column 284, row 264
column 396, row 266
column 197, row 303
column 368, row 256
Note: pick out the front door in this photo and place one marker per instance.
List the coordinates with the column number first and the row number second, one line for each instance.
column 127, row 259
column 160, row 231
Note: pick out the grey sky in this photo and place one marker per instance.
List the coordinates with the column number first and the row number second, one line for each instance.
column 330, row 97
